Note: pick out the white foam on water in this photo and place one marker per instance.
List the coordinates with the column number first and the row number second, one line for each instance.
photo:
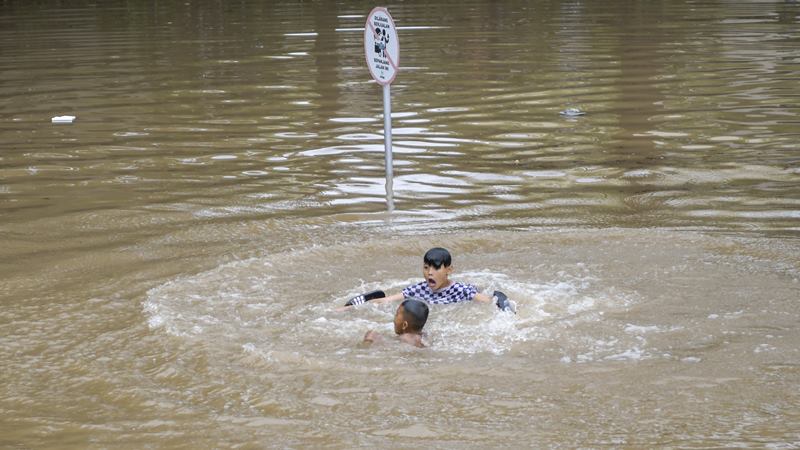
column 219, row 299
column 259, row 307
column 475, row 327
column 641, row 329
column 631, row 354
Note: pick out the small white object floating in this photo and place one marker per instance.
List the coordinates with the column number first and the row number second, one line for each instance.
column 63, row 119
column 572, row 112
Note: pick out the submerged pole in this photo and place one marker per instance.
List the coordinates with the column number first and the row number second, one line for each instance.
column 387, row 144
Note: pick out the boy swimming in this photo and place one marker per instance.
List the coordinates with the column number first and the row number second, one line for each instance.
column 437, row 288
column 409, row 319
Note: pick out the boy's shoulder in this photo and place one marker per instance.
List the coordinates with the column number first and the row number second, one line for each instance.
column 412, row 339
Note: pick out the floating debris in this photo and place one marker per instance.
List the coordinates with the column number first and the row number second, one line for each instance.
column 572, row 112
column 63, row 119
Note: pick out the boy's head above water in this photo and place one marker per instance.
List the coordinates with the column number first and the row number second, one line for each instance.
column 437, row 257
column 436, row 268
column 411, row 316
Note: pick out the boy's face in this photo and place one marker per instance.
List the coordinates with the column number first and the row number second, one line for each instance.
column 436, row 278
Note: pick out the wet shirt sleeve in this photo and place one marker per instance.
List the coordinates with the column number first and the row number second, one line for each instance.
column 419, row 290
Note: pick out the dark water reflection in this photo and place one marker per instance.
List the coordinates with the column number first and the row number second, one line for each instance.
column 169, row 260
column 692, row 111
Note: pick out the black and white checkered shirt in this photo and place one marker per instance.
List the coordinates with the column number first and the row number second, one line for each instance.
column 456, row 292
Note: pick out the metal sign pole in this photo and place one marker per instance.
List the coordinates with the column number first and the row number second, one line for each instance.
column 387, row 144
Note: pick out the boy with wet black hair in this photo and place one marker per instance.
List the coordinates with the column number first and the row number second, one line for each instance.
column 437, row 288
column 409, row 320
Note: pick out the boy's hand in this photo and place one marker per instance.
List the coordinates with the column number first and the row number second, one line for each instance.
column 375, row 296
column 372, row 336
column 363, row 298
column 502, row 302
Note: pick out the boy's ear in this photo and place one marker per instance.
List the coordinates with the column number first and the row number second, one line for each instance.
column 405, row 325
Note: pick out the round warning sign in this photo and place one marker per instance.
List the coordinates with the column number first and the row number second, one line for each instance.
column 381, row 46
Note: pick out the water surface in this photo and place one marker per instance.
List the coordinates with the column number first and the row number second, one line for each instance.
column 171, row 262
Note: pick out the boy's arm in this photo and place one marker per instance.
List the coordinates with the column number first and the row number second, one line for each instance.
column 483, row 298
column 388, row 299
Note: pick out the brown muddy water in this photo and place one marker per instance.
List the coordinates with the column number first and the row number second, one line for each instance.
column 171, row 262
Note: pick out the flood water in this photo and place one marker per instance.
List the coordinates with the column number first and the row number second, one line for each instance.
column 172, row 261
